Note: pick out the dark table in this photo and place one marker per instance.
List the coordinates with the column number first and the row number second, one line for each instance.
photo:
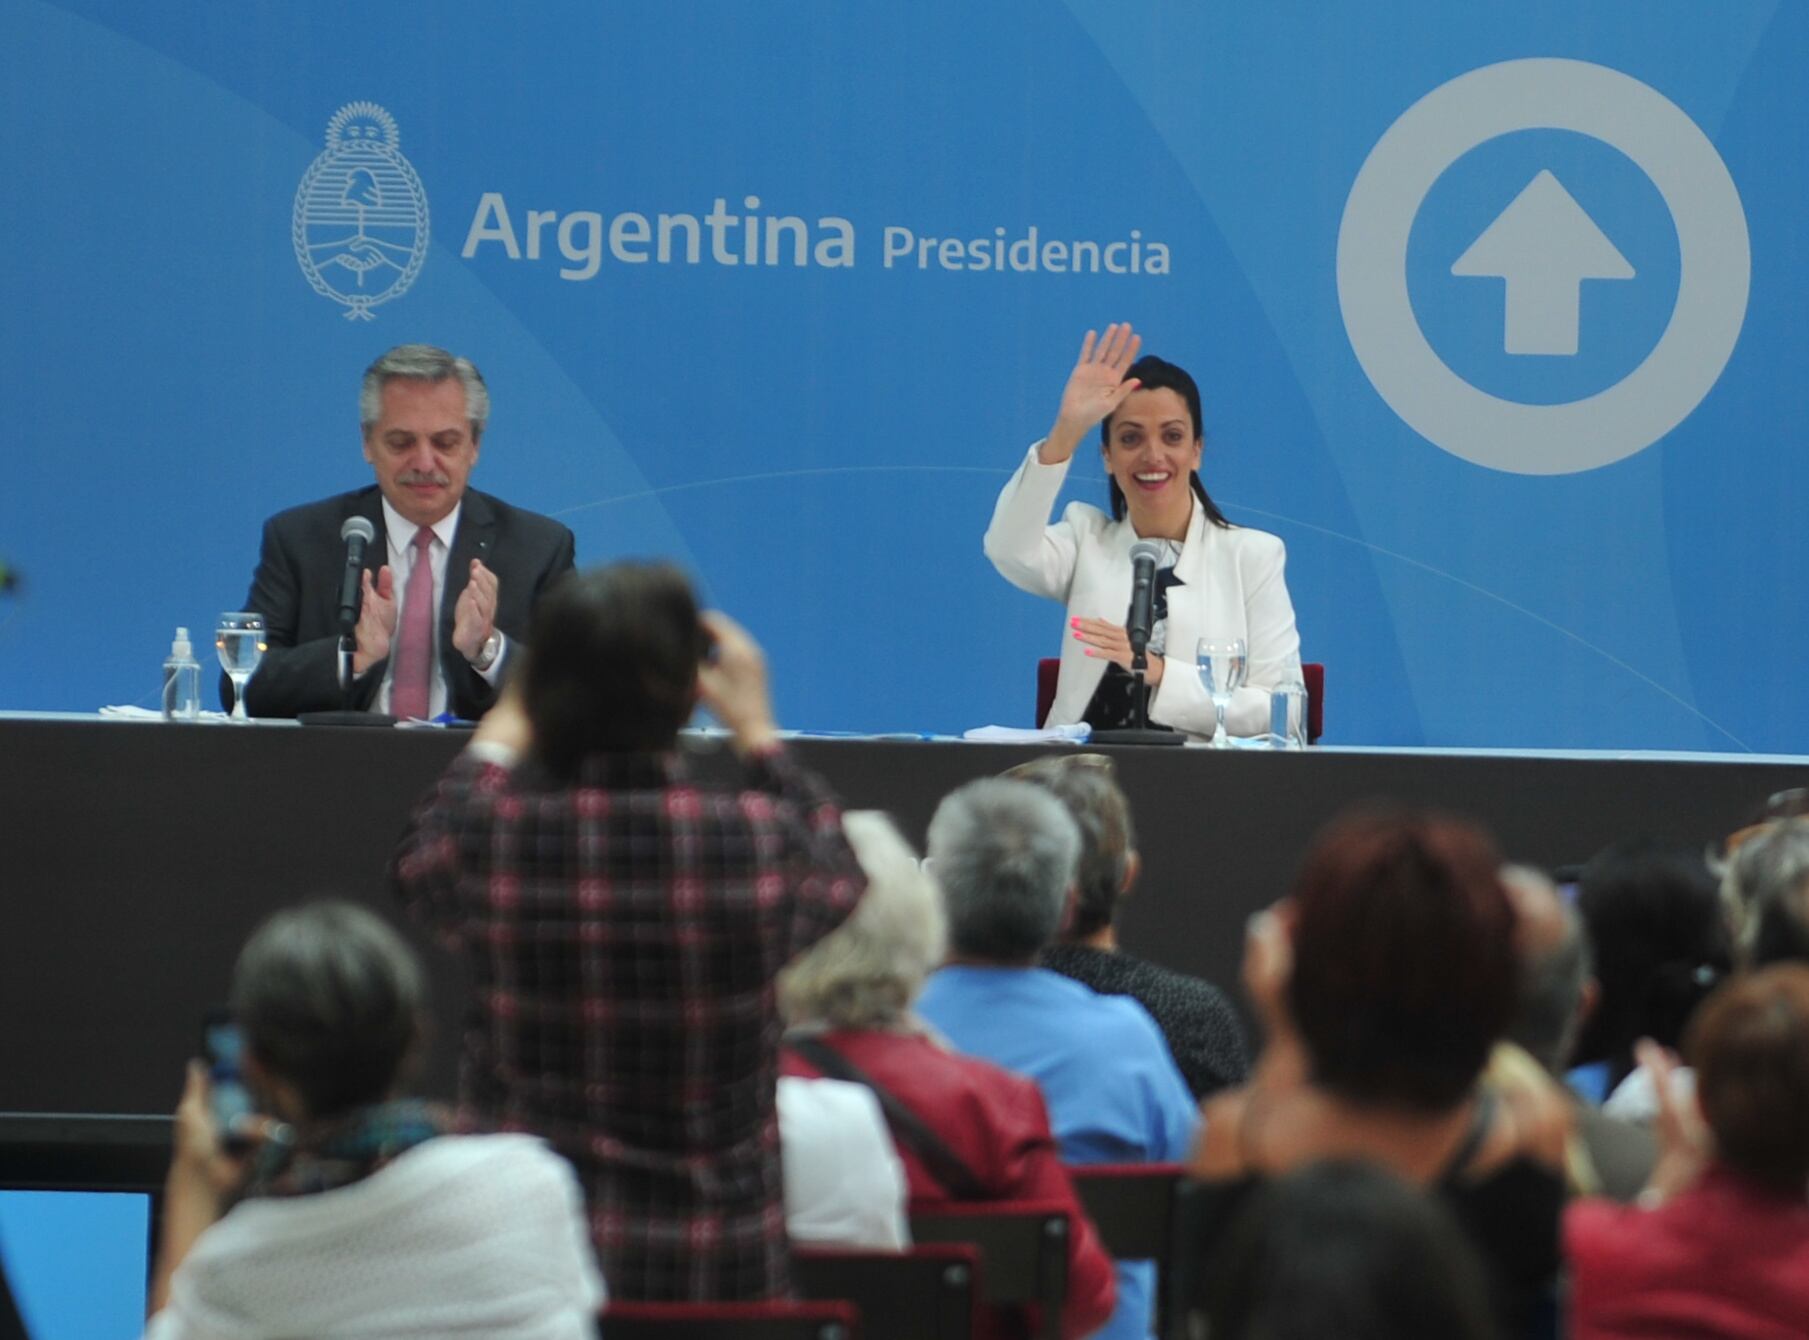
column 136, row 857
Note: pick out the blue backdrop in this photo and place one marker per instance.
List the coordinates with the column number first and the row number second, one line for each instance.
column 1531, row 440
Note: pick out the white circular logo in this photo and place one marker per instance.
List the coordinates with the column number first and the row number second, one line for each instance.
column 1714, row 262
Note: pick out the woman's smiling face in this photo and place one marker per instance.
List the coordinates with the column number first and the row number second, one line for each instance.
column 1152, row 448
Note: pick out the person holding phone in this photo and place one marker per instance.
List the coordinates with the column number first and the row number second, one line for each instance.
column 343, row 1208
column 1214, row 580
column 624, row 920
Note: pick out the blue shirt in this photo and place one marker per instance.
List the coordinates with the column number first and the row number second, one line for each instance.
column 1113, row 1092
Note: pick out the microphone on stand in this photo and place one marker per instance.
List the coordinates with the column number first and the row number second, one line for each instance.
column 357, row 533
column 1144, row 556
column 10, row 579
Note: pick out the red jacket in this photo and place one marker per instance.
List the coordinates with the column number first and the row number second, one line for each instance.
column 1723, row 1258
column 996, row 1121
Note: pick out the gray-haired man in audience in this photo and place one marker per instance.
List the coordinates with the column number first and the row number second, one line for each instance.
column 1005, row 855
column 1556, row 992
column 1766, row 888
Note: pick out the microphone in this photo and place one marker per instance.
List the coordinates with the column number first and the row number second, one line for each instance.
column 1144, row 556
column 10, row 578
column 357, row 533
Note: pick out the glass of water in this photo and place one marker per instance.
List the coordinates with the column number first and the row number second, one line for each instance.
column 239, row 639
column 1223, row 663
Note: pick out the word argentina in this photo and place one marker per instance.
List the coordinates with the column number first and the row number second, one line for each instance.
column 584, row 239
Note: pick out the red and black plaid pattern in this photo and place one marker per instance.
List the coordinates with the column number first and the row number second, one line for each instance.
column 623, row 935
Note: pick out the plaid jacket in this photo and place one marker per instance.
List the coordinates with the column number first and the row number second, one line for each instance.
column 623, row 934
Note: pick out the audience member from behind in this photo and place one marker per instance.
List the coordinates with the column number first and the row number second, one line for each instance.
column 1202, row 1028
column 1384, row 983
column 1660, row 946
column 358, row 1215
column 1346, row 1249
column 1766, row 889
column 624, row 922
column 1720, row 1243
column 966, row 1129
column 1556, row 992
column 1778, row 808
column 1005, row 854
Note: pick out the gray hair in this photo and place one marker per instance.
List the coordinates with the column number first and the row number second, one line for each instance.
column 1547, row 1020
column 426, row 363
column 1770, row 865
column 329, row 998
column 1005, row 854
column 866, row 972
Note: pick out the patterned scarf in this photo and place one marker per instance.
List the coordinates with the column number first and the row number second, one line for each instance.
column 328, row 1155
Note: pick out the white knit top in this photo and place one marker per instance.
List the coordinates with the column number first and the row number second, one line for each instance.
column 478, row 1235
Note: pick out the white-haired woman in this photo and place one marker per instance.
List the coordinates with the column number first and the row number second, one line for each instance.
column 965, row 1129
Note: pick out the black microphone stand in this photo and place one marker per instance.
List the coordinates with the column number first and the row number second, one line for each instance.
column 348, row 647
column 1141, row 732
column 346, row 714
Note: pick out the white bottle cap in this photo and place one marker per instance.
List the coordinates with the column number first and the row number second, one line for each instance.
column 181, row 646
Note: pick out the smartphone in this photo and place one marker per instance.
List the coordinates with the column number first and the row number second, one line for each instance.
column 223, row 1050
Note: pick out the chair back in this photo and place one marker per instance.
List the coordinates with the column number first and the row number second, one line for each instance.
column 1046, row 671
column 1133, row 1207
column 776, row 1319
column 1023, row 1249
column 928, row 1292
column 1131, row 1204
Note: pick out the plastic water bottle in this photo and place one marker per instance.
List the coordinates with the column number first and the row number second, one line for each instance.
column 182, row 681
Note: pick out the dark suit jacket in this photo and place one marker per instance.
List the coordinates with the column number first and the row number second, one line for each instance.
column 296, row 589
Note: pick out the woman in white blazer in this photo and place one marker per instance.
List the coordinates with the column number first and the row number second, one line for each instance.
column 1218, row 580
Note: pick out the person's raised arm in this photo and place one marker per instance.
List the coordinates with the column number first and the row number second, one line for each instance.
column 732, row 684
column 1028, row 552
column 1095, row 388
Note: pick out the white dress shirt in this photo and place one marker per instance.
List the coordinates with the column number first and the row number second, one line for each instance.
column 399, row 532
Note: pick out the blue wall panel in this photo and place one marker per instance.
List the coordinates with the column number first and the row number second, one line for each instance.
column 821, row 444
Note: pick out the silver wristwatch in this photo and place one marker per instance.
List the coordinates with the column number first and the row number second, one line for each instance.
column 487, row 654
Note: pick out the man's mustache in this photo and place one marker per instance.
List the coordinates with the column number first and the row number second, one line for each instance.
column 424, row 477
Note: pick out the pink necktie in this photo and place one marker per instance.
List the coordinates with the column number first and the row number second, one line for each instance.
column 413, row 680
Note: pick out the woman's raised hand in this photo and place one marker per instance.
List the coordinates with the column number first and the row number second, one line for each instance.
column 1095, row 388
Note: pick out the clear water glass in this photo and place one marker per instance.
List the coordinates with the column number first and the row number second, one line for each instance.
column 240, row 640
column 1224, row 662
column 1288, row 715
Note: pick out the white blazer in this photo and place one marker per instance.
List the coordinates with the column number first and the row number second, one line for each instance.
column 1230, row 584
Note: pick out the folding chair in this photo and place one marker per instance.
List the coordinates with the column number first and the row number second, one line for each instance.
column 779, row 1319
column 1133, row 1207
column 926, row 1293
column 1023, row 1252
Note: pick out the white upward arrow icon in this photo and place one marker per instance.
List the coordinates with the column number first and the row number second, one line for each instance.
column 1544, row 246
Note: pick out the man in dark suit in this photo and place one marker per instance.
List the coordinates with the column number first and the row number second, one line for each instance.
column 468, row 566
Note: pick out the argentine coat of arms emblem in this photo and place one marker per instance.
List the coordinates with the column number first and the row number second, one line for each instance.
column 360, row 224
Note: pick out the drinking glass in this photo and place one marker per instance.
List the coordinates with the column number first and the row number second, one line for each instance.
column 1288, row 715
column 240, row 641
column 1223, row 663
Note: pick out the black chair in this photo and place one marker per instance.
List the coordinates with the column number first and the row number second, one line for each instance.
column 926, row 1293
column 1133, row 1206
column 1023, row 1249
column 779, row 1319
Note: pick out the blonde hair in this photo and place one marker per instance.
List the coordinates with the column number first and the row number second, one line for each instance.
column 866, row 972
